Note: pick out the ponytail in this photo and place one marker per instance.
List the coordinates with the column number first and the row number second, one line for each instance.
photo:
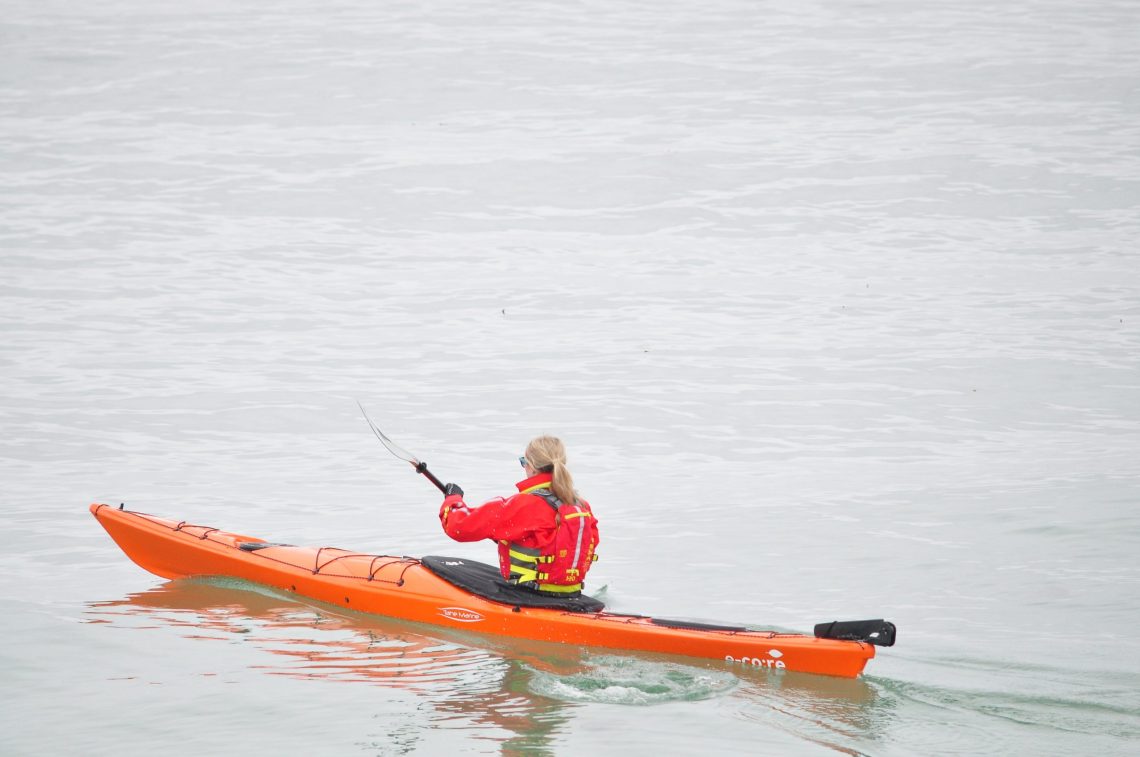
column 548, row 454
column 562, row 484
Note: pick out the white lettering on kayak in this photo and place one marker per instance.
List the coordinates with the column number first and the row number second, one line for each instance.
column 759, row 662
column 462, row 614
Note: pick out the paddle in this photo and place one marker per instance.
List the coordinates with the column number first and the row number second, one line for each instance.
column 403, row 454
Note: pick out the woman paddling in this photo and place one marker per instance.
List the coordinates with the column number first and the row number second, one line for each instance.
column 546, row 533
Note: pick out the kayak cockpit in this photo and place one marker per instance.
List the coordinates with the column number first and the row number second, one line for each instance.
column 485, row 581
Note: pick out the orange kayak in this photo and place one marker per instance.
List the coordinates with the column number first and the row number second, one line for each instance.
column 413, row 589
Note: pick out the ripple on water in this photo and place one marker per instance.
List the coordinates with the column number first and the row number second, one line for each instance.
column 1076, row 713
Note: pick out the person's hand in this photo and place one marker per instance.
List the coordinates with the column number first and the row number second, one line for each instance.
column 452, row 489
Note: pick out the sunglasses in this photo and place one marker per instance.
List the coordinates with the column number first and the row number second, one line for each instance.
column 523, row 461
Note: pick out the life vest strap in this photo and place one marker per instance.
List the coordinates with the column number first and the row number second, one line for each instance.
column 523, row 562
column 558, row 589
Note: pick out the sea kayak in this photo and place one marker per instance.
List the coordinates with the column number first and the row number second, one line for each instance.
column 461, row 594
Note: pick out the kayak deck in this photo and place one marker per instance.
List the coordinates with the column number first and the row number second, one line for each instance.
column 402, row 587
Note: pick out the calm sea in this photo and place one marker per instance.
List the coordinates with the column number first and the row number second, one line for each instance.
column 836, row 305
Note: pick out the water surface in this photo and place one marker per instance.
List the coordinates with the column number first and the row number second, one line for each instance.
column 836, row 307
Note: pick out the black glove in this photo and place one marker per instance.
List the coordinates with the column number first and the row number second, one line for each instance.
column 449, row 489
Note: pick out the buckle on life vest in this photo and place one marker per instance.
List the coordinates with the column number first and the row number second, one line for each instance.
column 522, row 575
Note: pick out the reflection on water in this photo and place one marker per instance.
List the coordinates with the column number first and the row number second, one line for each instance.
column 465, row 685
column 527, row 688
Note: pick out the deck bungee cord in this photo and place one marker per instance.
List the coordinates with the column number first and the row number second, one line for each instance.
column 256, row 547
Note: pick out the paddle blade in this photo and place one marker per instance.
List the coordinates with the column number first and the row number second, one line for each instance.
column 394, row 448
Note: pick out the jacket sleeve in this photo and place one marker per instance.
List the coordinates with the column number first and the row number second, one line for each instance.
column 491, row 520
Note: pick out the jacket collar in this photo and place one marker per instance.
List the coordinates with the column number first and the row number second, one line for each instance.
column 539, row 481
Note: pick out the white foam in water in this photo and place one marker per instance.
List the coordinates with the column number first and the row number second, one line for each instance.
column 621, row 680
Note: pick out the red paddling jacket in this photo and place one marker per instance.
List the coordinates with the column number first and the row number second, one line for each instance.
column 544, row 543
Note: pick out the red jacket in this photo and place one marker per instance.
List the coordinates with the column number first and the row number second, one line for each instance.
column 523, row 519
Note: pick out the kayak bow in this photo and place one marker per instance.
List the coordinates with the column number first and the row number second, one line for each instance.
column 406, row 588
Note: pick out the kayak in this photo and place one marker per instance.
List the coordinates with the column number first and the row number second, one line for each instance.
column 462, row 594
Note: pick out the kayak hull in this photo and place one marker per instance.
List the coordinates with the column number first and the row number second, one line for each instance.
column 401, row 587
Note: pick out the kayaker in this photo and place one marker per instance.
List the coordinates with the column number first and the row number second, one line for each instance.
column 546, row 533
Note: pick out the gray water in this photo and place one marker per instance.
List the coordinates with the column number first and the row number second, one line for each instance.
column 836, row 305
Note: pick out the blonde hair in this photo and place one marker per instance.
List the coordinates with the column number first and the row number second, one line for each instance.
column 548, row 454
